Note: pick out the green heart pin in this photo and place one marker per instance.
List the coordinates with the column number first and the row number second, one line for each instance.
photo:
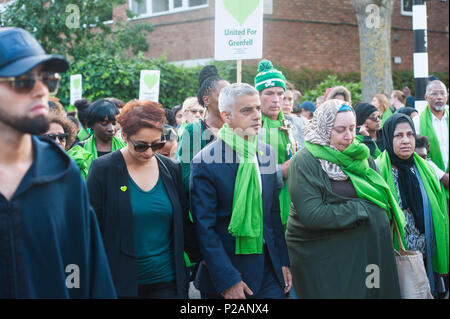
column 76, row 83
column 241, row 10
column 150, row 80
column 123, row 188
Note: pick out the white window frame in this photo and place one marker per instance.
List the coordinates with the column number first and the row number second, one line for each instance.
column 403, row 12
column 171, row 10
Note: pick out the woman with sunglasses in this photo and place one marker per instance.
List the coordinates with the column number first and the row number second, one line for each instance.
column 142, row 209
column 63, row 132
column 191, row 111
column 368, row 121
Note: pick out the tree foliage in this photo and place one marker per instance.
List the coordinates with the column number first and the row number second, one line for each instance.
column 76, row 28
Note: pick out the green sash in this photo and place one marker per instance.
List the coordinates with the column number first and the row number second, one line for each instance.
column 83, row 134
column 426, row 128
column 377, row 151
column 367, row 182
column 279, row 140
column 386, row 115
column 89, row 146
column 82, row 158
column 246, row 222
column 437, row 201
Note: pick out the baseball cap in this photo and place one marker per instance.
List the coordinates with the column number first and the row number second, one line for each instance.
column 20, row 52
column 308, row 105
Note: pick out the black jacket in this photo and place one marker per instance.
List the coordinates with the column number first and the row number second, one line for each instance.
column 112, row 205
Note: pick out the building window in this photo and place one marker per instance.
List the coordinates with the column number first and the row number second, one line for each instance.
column 406, row 8
column 156, row 7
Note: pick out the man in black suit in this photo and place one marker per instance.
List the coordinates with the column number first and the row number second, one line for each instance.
column 235, row 206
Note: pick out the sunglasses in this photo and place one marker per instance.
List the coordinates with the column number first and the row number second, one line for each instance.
column 197, row 111
column 375, row 118
column 142, row 147
column 25, row 83
column 61, row 137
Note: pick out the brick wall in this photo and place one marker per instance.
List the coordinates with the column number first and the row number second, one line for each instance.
column 319, row 34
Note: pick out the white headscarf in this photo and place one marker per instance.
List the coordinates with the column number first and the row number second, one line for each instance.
column 318, row 131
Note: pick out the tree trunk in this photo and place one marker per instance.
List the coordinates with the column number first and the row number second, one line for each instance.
column 374, row 24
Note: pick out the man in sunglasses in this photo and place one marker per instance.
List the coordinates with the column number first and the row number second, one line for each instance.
column 50, row 244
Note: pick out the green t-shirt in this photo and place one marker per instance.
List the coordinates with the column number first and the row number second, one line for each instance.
column 153, row 232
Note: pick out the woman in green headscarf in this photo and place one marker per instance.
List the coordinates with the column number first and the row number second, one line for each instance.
column 417, row 190
column 338, row 232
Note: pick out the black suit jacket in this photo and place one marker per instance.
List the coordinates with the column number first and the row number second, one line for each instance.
column 213, row 175
column 112, row 205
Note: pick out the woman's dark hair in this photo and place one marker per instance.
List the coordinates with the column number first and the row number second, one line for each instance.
column 117, row 102
column 82, row 107
column 170, row 117
column 422, row 141
column 140, row 114
column 207, row 80
column 169, row 133
column 100, row 111
column 68, row 127
column 55, row 105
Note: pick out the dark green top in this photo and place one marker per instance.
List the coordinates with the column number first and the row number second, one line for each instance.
column 153, row 231
column 335, row 241
column 195, row 137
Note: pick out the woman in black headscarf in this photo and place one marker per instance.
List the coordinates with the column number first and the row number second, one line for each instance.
column 407, row 110
column 417, row 189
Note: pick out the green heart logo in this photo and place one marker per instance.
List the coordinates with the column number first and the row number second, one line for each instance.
column 123, row 188
column 150, row 80
column 76, row 83
column 240, row 9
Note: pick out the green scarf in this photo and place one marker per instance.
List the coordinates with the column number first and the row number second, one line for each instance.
column 437, row 201
column 377, row 151
column 279, row 140
column 180, row 130
column 386, row 115
column 246, row 222
column 82, row 158
column 89, row 146
column 426, row 128
column 367, row 182
column 83, row 134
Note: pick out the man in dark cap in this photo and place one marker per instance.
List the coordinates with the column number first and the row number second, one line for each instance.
column 50, row 244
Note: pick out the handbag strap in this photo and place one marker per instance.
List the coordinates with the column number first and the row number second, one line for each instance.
column 399, row 238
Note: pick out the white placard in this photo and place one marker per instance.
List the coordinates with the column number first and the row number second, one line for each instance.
column 239, row 29
column 149, row 87
column 76, row 88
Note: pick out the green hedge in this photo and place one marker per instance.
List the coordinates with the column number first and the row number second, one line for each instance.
column 107, row 76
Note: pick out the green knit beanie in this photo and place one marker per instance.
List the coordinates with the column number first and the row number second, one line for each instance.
column 269, row 77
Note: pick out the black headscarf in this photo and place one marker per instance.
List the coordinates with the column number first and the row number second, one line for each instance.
column 407, row 110
column 408, row 183
column 363, row 111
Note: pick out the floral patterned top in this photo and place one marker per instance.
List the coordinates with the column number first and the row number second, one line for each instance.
column 414, row 239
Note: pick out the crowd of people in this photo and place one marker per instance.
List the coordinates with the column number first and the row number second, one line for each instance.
column 243, row 189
